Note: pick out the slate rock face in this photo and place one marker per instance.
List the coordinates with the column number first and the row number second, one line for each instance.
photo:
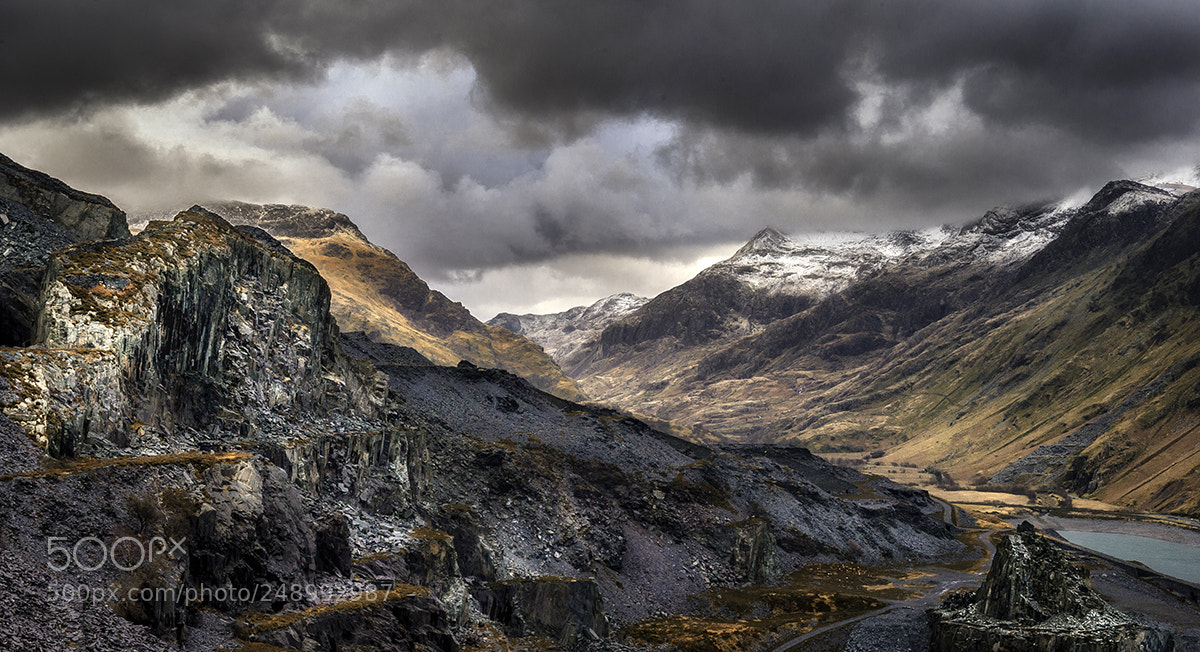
column 28, row 236
column 751, row 549
column 414, row 622
column 252, row 530
column 86, row 215
column 566, row 610
column 1034, row 599
column 209, row 328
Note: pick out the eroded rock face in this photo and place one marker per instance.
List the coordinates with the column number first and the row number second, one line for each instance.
column 566, row 610
column 430, row 561
column 26, row 241
column 413, row 623
column 88, row 216
column 64, row 399
column 1034, row 599
column 383, row 471
column 252, row 530
column 751, row 549
column 208, row 327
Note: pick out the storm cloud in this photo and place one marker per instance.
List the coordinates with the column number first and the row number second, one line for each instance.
column 1107, row 69
column 473, row 136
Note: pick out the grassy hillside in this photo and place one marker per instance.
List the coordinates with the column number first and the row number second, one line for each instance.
column 375, row 292
column 1109, row 353
column 1090, row 349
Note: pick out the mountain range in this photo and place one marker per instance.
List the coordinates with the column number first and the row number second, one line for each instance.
column 323, row 490
column 1053, row 345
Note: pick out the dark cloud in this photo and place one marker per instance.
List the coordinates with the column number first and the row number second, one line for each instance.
column 808, row 114
column 943, row 176
column 64, row 54
column 1107, row 69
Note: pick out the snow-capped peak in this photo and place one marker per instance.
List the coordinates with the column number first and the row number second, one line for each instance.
column 768, row 239
column 819, row 264
column 562, row 334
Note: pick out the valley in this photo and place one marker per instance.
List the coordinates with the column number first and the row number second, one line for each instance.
column 1051, row 346
column 295, row 408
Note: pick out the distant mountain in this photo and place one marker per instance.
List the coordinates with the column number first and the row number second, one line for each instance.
column 965, row 348
column 561, row 334
column 376, row 292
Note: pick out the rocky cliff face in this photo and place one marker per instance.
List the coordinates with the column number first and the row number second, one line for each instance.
column 213, row 328
column 38, row 215
column 200, row 369
column 1034, row 599
column 88, row 216
column 377, row 293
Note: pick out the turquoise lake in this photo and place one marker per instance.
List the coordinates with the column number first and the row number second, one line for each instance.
column 1174, row 559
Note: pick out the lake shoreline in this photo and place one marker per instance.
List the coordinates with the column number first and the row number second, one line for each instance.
column 1130, row 526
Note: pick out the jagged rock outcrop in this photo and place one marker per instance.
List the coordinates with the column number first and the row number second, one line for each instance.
column 405, row 620
column 251, row 530
column 382, row 471
column 1034, row 599
column 26, row 241
column 86, row 215
column 429, row 560
column 209, row 328
column 472, row 542
column 751, row 549
column 195, row 335
column 39, row 215
column 65, row 399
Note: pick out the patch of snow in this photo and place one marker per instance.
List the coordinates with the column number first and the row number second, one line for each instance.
column 561, row 334
column 820, row 264
column 1133, row 200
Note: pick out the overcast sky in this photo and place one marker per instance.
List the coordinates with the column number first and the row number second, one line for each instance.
column 531, row 155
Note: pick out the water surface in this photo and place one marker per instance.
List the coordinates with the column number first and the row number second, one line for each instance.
column 1174, row 559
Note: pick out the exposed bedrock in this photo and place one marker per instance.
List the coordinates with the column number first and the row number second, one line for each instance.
column 1033, row 599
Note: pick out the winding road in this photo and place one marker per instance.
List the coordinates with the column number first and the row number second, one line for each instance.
column 944, row 581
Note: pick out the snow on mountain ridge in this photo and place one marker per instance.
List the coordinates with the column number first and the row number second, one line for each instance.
column 562, row 333
column 819, row 264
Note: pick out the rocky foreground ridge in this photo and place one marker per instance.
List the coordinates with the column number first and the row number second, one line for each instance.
column 188, row 392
